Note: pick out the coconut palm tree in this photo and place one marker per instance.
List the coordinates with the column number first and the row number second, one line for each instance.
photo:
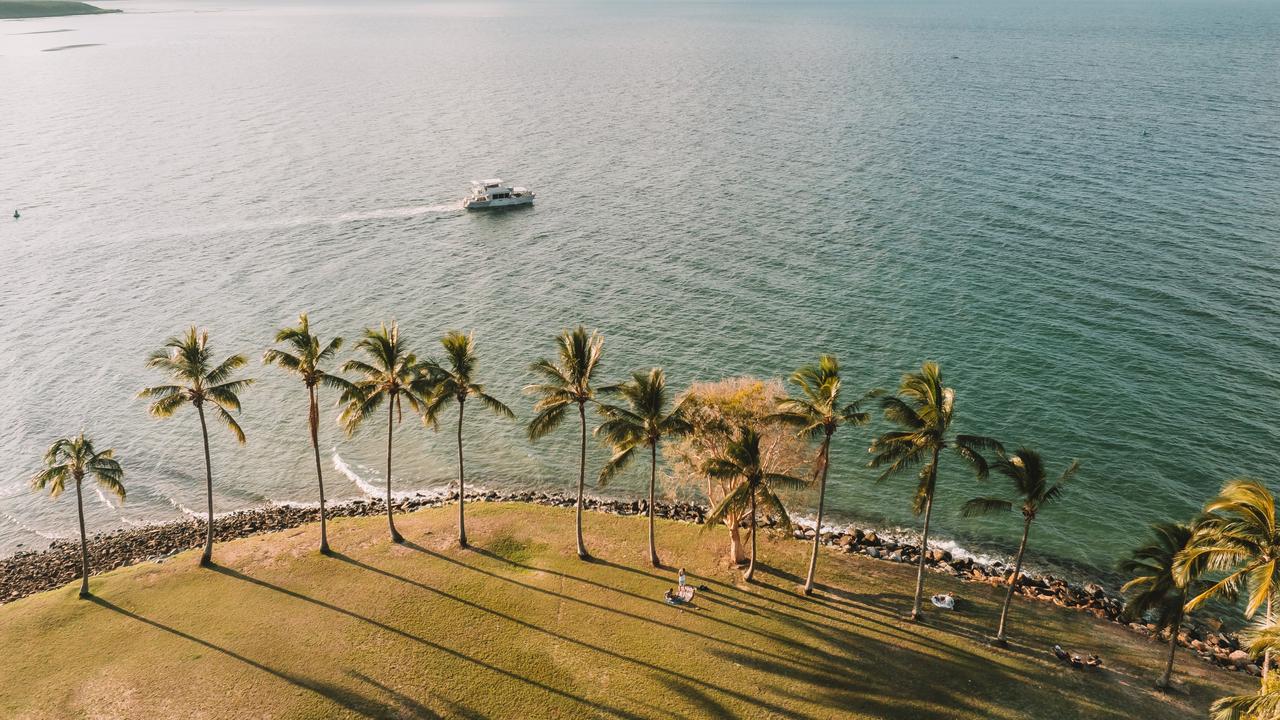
column 72, row 459
column 188, row 361
column 456, row 382
column 818, row 414
column 643, row 423
column 391, row 375
column 1239, row 534
column 742, row 461
column 304, row 361
column 1154, row 588
column 565, row 382
column 1026, row 470
column 923, row 409
column 1265, row 704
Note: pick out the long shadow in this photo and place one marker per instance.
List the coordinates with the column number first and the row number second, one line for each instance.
column 605, row 608
column 408, row 707
column 808, row 626
column 355, row 702
column 565, row 638
column 423, row 641
column 780, row 639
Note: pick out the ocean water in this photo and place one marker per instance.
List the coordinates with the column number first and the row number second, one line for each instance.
column 1074, row 207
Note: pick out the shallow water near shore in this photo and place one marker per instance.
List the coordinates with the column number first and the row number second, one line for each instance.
column 1072, row 207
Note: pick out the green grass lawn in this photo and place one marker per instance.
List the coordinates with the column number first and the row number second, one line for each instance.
column 11, row 9
column 518, row 627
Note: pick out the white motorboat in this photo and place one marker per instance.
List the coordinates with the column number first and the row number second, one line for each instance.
column 492, row 194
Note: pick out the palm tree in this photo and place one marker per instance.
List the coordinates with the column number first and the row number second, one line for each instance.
column 1155, row 587
column 1238, row 533
column 1026, row 469
column 566, row 382
column 304, row 361
column 187, row 359
column 391, row 374
column 818, row 413
column 644, row 423
column 742, row 461
column 1264, row 704
column 923, row 408
column 455, row 382
column 73, row 458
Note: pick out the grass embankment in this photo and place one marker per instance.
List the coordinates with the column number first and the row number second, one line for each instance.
column 519, row 627
column 11, row 9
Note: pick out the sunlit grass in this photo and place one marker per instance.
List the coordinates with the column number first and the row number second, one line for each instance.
column 519, row 627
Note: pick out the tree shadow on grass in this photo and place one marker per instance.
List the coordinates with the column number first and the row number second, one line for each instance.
column 572, row 640
column 352, row 701
column 595, row 706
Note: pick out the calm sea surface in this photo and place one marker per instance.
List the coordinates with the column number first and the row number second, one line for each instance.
column 1074, row 207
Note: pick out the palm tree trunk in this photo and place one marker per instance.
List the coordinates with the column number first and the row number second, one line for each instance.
column 582, row 480
column 924, row 537
column 1167, row 677
column 1013, row 582
column 206, row 558
column 314, row 421
column 751, row 567
column 822, row 496
column 1266, row 656
column 653, row 481
column 396, row 537
column 84, row 546
column 462, row 489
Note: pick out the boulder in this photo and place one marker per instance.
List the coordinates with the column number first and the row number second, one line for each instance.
column 1238, row 658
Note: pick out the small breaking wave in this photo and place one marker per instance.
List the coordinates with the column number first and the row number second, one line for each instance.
column 33, row 531
column 341, row 466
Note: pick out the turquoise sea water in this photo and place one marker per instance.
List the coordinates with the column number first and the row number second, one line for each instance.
column 1074, row 207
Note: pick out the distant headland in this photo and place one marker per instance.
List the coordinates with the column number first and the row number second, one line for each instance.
column 11, row 9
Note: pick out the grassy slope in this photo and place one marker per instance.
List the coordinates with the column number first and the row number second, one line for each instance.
column 518, row 627
column 10, row 9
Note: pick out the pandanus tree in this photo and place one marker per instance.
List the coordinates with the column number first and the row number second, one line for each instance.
column 389, row 375
column 923, row 410
column 455, row 380
column 1025, row 469
column 72, row 459
column 564, row 383
column 817, row 414
column 1239, row 535
column 743, row 461
column 197, row 381
column 304, row 356
column 643, row 423
column 1154, row 588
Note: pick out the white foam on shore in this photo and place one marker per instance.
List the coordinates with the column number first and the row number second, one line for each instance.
column 33, row 531
column 911, row 537
column 341, row 466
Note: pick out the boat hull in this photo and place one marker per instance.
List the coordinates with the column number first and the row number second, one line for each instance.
column 475, row 204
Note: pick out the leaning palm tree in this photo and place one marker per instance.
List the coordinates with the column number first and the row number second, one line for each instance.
column 392, row 374
column 187, row 359
column 643, row 423
column 1240, row 534
column 563, row 383
column 742, row 460
column 455, row 382
column 1154, row 588
column 72, row 459
column 1263, row 640
column 923, row 409
column 1026, row 469
column 304, row 361
column 818, row 414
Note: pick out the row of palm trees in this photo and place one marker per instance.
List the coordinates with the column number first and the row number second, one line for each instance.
column 1231, row 549
column 636, row 415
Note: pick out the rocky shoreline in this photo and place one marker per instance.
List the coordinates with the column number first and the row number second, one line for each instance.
column 31, row 572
